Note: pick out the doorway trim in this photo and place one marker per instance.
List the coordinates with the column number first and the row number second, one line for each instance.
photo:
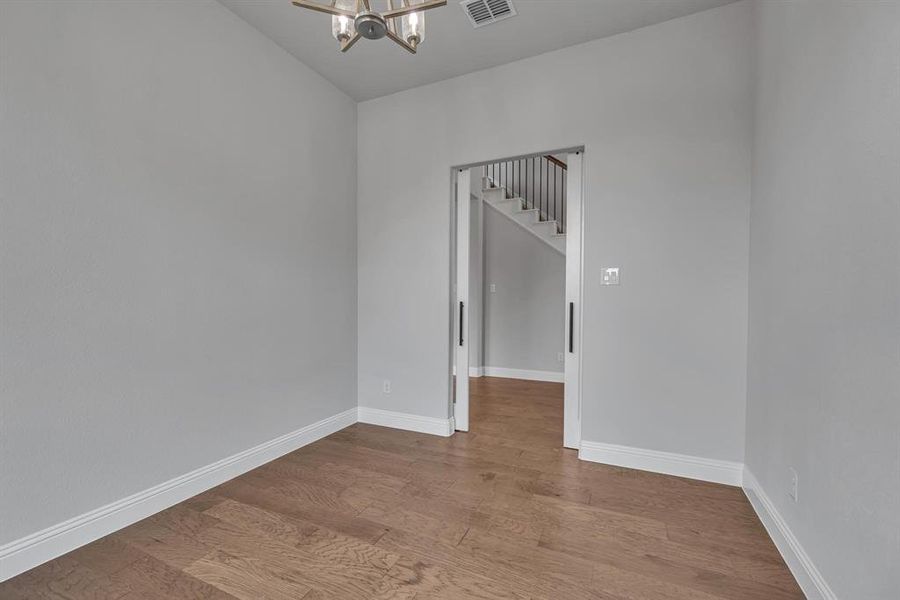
column 572, row 376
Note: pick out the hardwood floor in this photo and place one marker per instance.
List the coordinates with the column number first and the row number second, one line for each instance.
column 376, row 513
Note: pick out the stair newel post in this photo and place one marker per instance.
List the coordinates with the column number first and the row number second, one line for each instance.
column 562, row 222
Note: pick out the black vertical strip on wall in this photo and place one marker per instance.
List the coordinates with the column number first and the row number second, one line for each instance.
column 461, row 323
column 571, row 327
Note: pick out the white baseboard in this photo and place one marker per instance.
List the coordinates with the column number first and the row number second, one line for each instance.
column 399, row 420
column 476, row 371
column 798, row 561
column 669, row 463
column 555, row 376
column 28, row 552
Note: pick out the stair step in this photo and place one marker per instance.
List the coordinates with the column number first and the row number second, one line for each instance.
column 506, row 200
column 554, row 223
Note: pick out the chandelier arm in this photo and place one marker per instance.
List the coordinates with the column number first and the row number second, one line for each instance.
column 399, row 12
column 396, row 38
column 349, row 43
column 331, row 10
column 391, row 23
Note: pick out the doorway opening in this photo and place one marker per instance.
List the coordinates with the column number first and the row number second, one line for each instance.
column 516, row 275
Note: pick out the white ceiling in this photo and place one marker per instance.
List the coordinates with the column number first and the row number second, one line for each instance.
column 452, row 46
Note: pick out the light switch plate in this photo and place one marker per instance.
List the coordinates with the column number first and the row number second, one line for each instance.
column 609, row 276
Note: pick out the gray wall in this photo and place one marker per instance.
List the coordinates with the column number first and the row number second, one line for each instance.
column 476, row 276
column 177, row 249
column 667, row 162
column 524, row 319
column 824, row 376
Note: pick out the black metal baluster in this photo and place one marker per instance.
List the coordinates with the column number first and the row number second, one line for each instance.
column 547, row 196
column 527, row 169
column 555, row 192
column 533, row 179
column 540, row 184
column 546, row 184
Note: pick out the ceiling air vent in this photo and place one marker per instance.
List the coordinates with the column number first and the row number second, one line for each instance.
column 485, row 12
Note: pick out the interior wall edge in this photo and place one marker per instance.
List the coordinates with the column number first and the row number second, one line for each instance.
column 668, row 463
column 798, row 561
column 526, row 374
column 406, row 421
column 32, row 550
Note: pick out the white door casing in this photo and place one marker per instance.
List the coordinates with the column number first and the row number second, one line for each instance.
column 461, row 310
column 574, row 245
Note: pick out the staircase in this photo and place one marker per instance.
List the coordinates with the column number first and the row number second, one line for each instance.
column 532, row 193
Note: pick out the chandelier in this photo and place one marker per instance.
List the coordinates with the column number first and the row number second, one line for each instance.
column 403, row 21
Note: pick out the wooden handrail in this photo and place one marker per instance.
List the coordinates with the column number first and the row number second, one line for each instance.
column 556, row 161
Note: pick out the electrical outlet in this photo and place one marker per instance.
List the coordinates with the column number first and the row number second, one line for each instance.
column 560, row 357
column 493, row 288
column 387, row 386
column 793, row 491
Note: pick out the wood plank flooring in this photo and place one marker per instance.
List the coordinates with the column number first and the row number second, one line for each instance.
column 376, row 513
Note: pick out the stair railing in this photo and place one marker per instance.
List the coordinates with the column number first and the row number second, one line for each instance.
column 539, row 182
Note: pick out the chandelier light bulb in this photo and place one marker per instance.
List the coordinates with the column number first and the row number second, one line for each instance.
column 414, row 28
column 342, row 28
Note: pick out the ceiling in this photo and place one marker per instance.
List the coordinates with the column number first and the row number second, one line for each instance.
column 452, row 46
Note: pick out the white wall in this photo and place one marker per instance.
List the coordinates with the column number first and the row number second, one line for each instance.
column 665, row 116
column 524, row 318
column 824, row 375
column 177, row 249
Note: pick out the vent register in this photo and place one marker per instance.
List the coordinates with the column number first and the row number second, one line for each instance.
column 486, row 12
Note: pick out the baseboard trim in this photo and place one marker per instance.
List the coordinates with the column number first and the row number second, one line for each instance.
column 476, row 371
column 530, row 375
column 669, row 463
column 399, row 420
column 798, row 561
column 35, row 549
